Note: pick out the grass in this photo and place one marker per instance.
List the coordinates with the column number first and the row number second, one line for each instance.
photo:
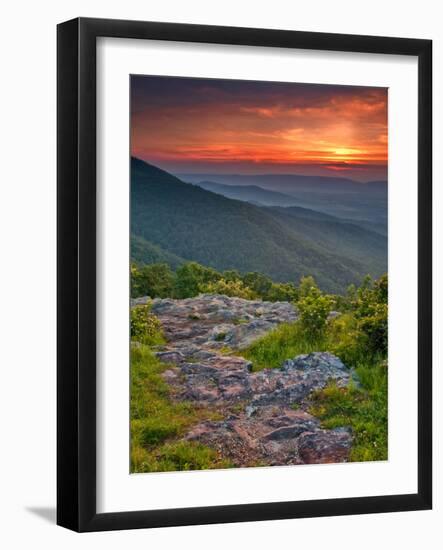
column 157, row 421
column 284, row 342
column 363, row 408
column 177, row 456
column 289, row 339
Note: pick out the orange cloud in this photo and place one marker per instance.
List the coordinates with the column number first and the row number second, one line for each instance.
column 337, row 128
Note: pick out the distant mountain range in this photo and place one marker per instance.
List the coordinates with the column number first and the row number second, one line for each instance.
column 340, row 197
column 173, row 221
column 249, row 193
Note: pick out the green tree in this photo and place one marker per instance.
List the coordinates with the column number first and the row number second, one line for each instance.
column 259, row 283
column 229, row 288
column 371, row 312
column 154, row 280
column 190, row 277
column 282, row 292
column 314, row 309
column 307, row 286
column 231, row 275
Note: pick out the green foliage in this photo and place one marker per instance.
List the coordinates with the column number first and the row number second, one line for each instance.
column 145, row 327
column 228, row 288
column 284, row 342
column 343, row 335
column 172, row 221
column 358, row 336
column 144, row 252
column 154, row 280
column 344, row 339
column 307, row 286
column 155, row 430
column 282, row 292
column 364, row 409
column 351, row 239
column 314, row 309
column 371, row 310
column 181, row 456
column 157, row 421
column 259, row 283
column 344, row 303
column 190, row 277
column 231, row 275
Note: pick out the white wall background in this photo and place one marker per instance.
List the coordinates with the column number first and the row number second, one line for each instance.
column 27, row 286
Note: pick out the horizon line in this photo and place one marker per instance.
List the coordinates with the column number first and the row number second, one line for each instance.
column 238, row 174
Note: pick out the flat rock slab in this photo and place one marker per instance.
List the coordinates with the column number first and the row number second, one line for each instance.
column 274, row 437
column 222, row 379
column 268, row 427
column 216, row 321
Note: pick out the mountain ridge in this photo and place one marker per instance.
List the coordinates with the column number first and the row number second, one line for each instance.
column 190, row 222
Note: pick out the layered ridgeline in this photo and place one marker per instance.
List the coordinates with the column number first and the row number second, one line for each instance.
column 173, row 222
column 249, row 193
column 361, row 203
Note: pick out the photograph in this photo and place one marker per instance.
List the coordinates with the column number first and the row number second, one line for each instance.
column 259, row 273
column 234, row 321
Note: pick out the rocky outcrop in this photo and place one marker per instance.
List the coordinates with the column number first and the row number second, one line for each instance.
column 274, row 436
column 225, row 379
column 215, row 321
column 265, row 422
column 265, row 418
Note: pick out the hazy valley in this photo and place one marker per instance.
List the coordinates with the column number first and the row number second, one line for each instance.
column 173, row 221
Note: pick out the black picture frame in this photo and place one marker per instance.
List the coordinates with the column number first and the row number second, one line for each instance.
column 76, row 294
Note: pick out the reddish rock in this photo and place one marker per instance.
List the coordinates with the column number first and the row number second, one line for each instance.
column 260, row 425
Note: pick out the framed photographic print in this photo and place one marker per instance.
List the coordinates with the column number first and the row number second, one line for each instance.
column 244, row 274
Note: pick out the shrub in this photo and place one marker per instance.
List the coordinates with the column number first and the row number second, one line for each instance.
column 359, row 338
column 154, row 280
column 314, row 309
column 371, row 311
column 375, row 327
column 145, row 327
column 282, row 292
column 190, row 277
column 228, row 288
column 231, row 275
column 345, row 339
column 307, row 286
column 260, row 284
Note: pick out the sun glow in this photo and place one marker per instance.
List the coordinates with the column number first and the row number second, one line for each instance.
column 343, row 151
column 191, row 125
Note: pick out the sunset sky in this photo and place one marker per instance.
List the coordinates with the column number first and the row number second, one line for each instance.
column 190, row 126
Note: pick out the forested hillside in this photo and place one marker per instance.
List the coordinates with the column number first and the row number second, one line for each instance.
column 172, row 221
column 344, row 238
column 145, row 252
column 342, row 197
